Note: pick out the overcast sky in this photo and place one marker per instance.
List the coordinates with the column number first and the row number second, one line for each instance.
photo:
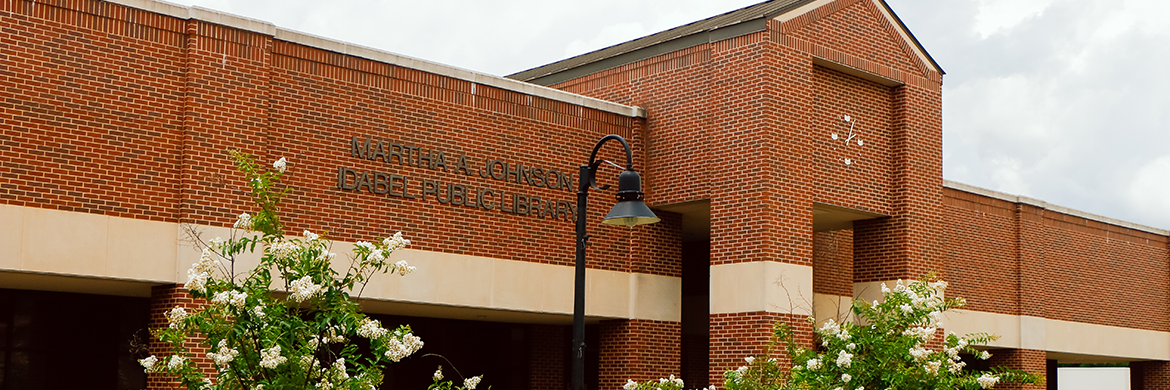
column 1060, row 100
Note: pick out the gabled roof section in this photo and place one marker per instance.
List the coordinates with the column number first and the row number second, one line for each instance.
column 736, row 23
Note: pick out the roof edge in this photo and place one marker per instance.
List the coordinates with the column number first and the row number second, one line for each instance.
column 913, row 38
column 323, row 43
column 1048, row 206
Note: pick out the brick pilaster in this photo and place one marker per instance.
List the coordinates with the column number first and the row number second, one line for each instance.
column 547, row 357
column 739, row 335
column 1030, row 360
column 162, row 300
column 638, row 349
column 1149, row 375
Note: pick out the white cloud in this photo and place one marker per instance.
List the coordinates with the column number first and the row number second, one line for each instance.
column 996, row 15
column 1149, row 190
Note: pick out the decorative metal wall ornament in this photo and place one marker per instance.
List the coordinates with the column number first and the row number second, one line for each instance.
column 849, row 156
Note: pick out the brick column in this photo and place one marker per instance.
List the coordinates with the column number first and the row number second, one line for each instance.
column 162, row 300
column 546, row 357
column 1030, row 360
column 1149, row 375
column 906, row 245
column 638, row 349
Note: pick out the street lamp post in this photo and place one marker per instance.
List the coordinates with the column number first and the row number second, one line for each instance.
column 629, row 211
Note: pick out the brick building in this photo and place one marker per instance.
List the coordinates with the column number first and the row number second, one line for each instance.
column 115, row 118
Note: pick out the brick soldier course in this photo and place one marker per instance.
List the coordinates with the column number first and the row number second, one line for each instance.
column 116, row 118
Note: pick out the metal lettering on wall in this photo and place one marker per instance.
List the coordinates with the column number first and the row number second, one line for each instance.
column 402, row 186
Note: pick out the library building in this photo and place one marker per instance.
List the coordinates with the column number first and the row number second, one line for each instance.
column 792, row 151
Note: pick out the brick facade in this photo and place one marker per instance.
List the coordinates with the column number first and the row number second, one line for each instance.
column 115, row 111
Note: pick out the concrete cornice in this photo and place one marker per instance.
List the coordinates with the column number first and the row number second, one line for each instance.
column 287, row 35
column 1047, row 206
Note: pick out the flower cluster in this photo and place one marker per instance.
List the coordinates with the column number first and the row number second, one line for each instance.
column 224, row 355
column 304, row 289
column 176, row 317
column 893, row 349
column 295, row 302
column 371, row 329
column 270, row 358
column 230, row 297
column 401, row 344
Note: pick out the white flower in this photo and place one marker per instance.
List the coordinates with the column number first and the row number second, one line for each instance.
column 749, row 359
column 196, row 281
column 830, row 327
column 339, row 368
column 851, row 346
column 310, row 236
column 677, row 381
column 365, row 244
column 905, row 308
column 630, row 385
column 175, row 363
column 335, row 334
column 149, row 364
column 987, row 381
column 956, row 366
column 216, row 243
column 244, row 221
column 470, row 383
column 176, row 317
column 741, row 370
column 984, row 355
column 224, row 355
column 918, row 352
column 932, row 367
column 885, row 290
column 395, row 242
column 258, row 311
column 304, row 289
column 846, row 378
column 280, row 165
column 371, row 329
column 438, row 376
column 402, row 346
column 844, row 335
column 844, row 359
column 402, row 268
column 813, row 364
column 231, row 297
column 270, row 358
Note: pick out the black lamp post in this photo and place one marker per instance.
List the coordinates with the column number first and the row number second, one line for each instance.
column 629, row 211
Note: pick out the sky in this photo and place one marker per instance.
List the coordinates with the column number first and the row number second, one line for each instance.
column 1064, row 101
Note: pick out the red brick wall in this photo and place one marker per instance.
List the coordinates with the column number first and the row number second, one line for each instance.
column 162, row 300
column 547, row 357
column 1029, row 360
column 1149, row 375
column 641, row 350
column 91, row 118
column 1019, row 259
column 833, row 263
column 739, row 335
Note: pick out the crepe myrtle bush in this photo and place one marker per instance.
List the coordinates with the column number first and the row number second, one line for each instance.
column 298, row 336
column 891, row 345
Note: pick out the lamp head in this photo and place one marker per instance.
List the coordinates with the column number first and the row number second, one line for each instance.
column 630, row 210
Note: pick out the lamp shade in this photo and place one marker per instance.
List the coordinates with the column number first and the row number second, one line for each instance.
column 630, row 213
column 630, row 210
